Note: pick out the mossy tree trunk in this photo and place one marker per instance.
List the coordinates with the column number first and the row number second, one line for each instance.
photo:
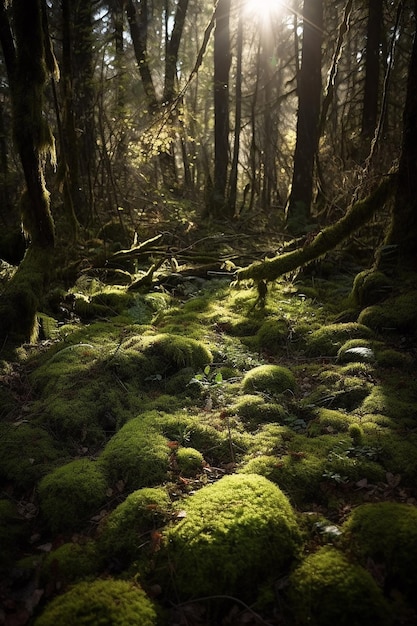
column 327, row 239
column 400, row 247
column 24, row 54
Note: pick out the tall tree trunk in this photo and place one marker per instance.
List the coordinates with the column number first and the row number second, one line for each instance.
column 372, row 69
column 309, row 96
column 221, row 108
column 399, row 251
column 24, row 55
column 238, row 118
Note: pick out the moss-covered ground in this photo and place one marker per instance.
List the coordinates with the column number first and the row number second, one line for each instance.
column 193, row 455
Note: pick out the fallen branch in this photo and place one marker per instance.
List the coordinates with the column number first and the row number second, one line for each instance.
column 356, row 216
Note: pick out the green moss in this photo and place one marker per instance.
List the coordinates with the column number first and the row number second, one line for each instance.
column 329, row 421
column 326, row 589
column 175, row 352
column 70, row 563
column 236, row 532
column 70, row 494
column 356, row 433
column 27, row 453
column 394, row 359
column 370, row 287
column 136, row 454
column 272, row 335
column 125, row 533
column 273, row 379
column 395, row 315
column 105, row 602
column 327, row 340
column 189, row 460
column 386, row 532
column 254, row 410
column 356, row 350
column 385, row 400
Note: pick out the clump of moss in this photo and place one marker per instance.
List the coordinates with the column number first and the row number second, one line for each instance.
column 370, row 287
column 189, row 461
column 272, row 335
column 327, row 589
column 254, row 410
column 115, row 602
column 329, row 421
column 327, row 340
column 69, row 563
column 27, row 453
column 124, row 534
column 235, row 533
column 395, row 315
column 136, row 454
column 386, row 532
column 70, row 494
column 175, row 352
column 394, row 359
column 356, row 350
column 273, row 379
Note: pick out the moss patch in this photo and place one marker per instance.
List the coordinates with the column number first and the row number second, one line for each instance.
column 327, row 589
column 273, row 379
column 115, row 602
column 327, row 340
column 236, row 532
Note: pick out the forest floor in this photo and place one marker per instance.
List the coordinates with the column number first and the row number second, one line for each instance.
column 132, row 402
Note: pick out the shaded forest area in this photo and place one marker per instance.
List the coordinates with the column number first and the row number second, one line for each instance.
column 208, row 320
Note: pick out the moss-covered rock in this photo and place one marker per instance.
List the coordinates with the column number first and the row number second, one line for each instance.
column 327, row 340
column 124, row 534
column 273, row 379
column 189, row 461
column 386, row 532
column 136, row 454
column 27, row 453
column 106, row 602
column 356, row 350
column 395, row 315
column 236, row 532
column 370, row 287
column 254, row 410
column 175, row 352
column 72, row 493
column 71, row 562
column 326, row 589
column 272, row 335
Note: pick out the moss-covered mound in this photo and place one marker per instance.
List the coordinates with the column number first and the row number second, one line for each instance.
column 137, row 454
column 125, row 532
column 189, row 461
column 327, row 340
column 326, row 589
column 370, row 287
column 236, row 532
column 274, row 379
column 254, row 410
column 105, row 602
column 175, row 352
column 386, row 532
column 71, row 562
column 70, row 494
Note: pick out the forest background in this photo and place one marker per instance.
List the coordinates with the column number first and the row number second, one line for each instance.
column 152, row 155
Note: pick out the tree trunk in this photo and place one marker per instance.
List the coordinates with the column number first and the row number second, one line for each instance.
column 399, row 251
column 24, row 55
column 309, row 96
column 238, row 119
column 372, row 69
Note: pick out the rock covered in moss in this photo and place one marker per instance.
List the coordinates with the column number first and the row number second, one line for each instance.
column 125, row 532
column 370, row 287
column 176, row 352
column 189, row 461
column 105, row 602
column 27, row 453
column 235, row 533
column 327, row 340
column 136, row 454
column 386, row 532
column 273, row 379
column 72, row 493
column 327, row 589
column 255, row 410
column 69, row 563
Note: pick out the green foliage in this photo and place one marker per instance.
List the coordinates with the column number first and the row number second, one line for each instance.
column 136, row 454
column 235, row 533
column 327, row 340
column 386, row 532
column 71, row 562
column 274, row 379
column 106, row 602
column 125, row 532
column 70, row 494
column 27, row 453
column 189, row 460
column 326, row 589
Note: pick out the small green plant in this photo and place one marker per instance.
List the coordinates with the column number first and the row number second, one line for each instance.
column 208, row 377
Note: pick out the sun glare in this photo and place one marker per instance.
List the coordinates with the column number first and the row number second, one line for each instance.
column 265, row 9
